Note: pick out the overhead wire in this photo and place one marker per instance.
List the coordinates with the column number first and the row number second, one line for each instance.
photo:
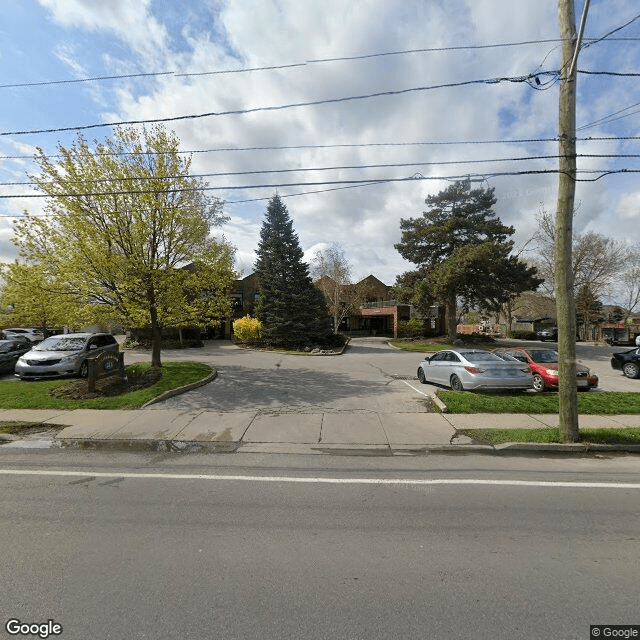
column 354, row 145
column 371, row 181
column 386, row 165
column 342, row 99
column 528, row 78
column 275, row 67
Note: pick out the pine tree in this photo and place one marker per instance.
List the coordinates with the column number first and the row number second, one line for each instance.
column 462, row 252
column 292, row 310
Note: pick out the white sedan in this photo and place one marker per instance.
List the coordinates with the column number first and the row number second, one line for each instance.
column 474, row 369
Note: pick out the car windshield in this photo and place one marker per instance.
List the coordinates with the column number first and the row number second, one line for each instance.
column 61, row 344
column 544, row 356
column 5, row 346
column 479, row 356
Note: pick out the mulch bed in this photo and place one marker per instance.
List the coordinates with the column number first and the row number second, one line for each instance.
column 78, row 390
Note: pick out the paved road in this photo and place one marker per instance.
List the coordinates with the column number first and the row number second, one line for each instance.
column 143, row 547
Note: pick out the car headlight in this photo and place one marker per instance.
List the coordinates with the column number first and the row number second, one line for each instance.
column 552, row 372
column 67, row 360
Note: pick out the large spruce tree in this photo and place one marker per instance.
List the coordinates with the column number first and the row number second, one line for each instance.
column 292, row 310
column 462, row 252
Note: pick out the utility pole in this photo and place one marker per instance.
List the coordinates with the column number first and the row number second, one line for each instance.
column 565, row 305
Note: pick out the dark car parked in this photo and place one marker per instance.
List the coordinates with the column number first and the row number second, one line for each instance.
column 628, row 361
column 550, row 333
column 10, row 351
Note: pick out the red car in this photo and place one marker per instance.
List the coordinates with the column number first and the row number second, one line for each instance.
column 544, row 367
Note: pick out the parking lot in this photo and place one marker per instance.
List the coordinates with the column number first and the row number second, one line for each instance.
column 369, row 376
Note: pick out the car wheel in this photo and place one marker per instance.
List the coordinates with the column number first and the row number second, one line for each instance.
column 456, row 385
column 84, row 369
column 538, row 382
column 421, row 376
column 631, row 370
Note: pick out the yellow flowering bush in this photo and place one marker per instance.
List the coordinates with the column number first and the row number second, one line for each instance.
column 247, row 329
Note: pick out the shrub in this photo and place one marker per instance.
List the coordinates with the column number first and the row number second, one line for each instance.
column 247, row 329
column 522, row 335
column 410, row 328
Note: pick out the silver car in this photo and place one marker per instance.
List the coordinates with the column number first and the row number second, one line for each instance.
column 64, row 355
column 474, row 369
column 32, row 335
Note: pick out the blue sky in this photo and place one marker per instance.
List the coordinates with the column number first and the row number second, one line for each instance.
column 65, row 40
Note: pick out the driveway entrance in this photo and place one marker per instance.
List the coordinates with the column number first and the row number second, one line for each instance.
column 369, row 376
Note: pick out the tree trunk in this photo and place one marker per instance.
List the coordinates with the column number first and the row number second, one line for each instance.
column 451, row 309
column 565, row 304
column 156, row 339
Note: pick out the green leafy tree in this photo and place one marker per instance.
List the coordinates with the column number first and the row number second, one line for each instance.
column 291, row 308
column 33, row 297
column 127, row 233
column 462, row 253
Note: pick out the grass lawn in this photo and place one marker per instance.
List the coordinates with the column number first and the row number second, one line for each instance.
column 38, row 394
column 589, row 402
column 629, row 435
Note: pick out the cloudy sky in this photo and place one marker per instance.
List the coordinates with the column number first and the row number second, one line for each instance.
column 176, row 58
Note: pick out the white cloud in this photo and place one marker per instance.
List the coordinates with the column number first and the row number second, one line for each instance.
column 130, row 21
column 197, row 37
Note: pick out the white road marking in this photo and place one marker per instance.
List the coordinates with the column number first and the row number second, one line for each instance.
column 319, row 480
column 415, row 389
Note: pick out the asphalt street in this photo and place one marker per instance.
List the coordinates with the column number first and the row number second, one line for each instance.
column 113, row 545
column 271, row 547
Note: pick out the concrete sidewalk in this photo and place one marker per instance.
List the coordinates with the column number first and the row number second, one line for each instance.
column 340, row 432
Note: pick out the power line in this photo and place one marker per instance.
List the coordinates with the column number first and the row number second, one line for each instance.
column 493, row 174
column 498, row 80
column 606, row 35
column 528, row 79
column 616, row 74
column 276, row 67
column 387, row 165
column 346, row 146
column 128, row 76
column 610, row 117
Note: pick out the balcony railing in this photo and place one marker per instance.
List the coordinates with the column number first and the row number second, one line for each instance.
column 380, row 305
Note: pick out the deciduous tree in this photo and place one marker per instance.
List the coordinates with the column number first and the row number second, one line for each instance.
column 597, row 261
column 127, row 233
column 332, row 273
column 36, row 298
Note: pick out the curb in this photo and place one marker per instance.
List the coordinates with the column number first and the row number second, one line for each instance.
column 439, row 403
column 237, row 447
column 323, row 352
column 187, row 387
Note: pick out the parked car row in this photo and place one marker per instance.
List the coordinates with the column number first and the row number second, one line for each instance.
column 474, row 369
column 503, row 368
column 59, row 355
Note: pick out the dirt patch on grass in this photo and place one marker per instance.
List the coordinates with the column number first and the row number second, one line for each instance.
column 79, row 389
